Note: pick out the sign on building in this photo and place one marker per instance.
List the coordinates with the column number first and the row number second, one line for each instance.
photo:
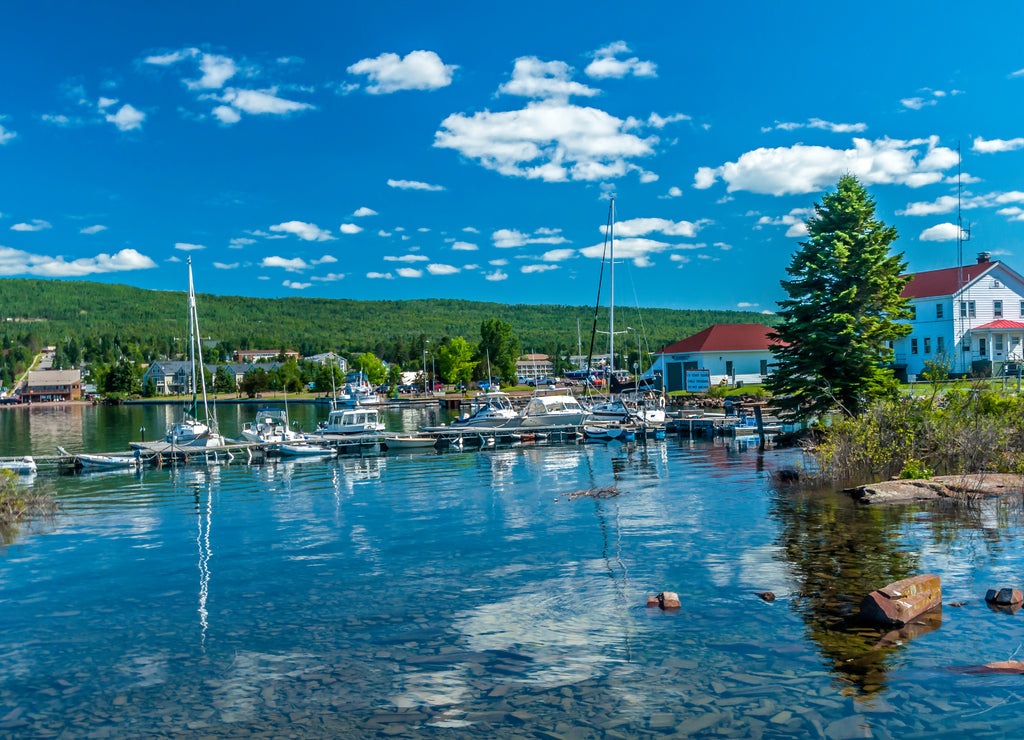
column 697, row 381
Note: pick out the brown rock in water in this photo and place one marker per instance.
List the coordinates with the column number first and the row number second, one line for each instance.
column 1005, row 596
column 899, row 602
column 1004, row 666
column 766, row 595
column 665, row 600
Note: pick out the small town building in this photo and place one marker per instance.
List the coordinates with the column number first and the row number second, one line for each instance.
column 174, row 377
column 52, row 385
column 532, row 367
column 259, row 355
column 731, row 353
column 329, row 358
column 970, row 317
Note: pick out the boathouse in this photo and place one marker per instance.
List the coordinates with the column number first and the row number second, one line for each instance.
column 972, row 317
column 731, row 353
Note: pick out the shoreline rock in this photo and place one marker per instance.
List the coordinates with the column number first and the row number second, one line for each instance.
column 939, row 488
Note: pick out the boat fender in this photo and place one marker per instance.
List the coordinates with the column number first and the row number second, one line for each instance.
column 661, row 402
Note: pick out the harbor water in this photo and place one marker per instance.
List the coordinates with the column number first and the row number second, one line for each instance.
column 456, row 594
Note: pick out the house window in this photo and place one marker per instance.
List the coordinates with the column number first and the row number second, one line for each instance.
column 998, row 342
column 981, row 347
column 997, row 309
column 913, row 346
column 913, row 313
column 764, row 367
column 927, row 345
column 938, row 310
column 940, row 345
column 966, row 347
column 728, row 368
column 967, row 310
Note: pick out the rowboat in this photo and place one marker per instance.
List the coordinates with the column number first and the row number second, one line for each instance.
column 409, row 442
column 107, row 462
column 303, row 449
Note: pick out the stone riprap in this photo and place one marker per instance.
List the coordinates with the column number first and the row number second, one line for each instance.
column 939, row 488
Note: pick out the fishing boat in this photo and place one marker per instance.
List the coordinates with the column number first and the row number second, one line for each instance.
column 20, row 465
column 270, row 426
column 409, row 442
column 191, row 431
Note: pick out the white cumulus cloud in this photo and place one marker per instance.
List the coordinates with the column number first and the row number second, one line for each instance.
column 216, row 70
column 223, row 266
column 295, row 286
column 380, row 276
column 532, row 78
column 997, row 145
column 305, row 231
column 806, row 169
column 409, row 272
column 92, row 229
column 496, row 276
column 186, row 247
column 946, row 232
column 127, row 118
column 350, row 228
column 18, row 262
column 414, row 185
column 407, row 258
column 262, row 102
column 608, row 64
column 295, row 264
column 439, row 269
column 36, row 225
column 364, row 211
column 509, row 238
column 6, row 135
column 417, row 70
column 644, row 226
column 464, row 247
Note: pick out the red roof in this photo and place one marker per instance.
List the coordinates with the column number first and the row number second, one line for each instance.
column 724, row 338
column 943, row 282
column 1000, row 324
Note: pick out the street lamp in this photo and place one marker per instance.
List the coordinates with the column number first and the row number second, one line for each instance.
column 425, row 365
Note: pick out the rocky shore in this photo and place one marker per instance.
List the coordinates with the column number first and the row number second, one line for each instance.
column 939, row 488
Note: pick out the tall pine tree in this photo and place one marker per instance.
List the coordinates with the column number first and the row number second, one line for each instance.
column 843, row 307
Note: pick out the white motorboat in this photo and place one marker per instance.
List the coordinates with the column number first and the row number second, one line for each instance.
column 269, row 427
column 344, row 422
column 553, row 410
column 20, row 465
column 492, row 409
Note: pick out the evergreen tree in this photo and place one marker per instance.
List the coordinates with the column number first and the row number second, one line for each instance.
column 843, row 306
column 501, row 346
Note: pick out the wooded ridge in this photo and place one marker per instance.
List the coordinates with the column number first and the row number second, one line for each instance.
column 53, row 310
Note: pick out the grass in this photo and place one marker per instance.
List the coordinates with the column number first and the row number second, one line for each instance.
column 18, row 503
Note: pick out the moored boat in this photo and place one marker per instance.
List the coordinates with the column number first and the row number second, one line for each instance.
column 493, row 409
column 553, row 410
column 305, row 449
column 270, row 426
column 346, row 422
column 409, row 442
column 20, row 465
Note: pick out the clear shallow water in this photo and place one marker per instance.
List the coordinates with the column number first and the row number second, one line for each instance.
column 445, row 595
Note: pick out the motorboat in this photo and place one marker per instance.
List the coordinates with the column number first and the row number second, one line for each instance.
column 553, row 410
column 269, row 427
column 493, row 409
column 20, row 465
column 343, row 422
column 645, row 407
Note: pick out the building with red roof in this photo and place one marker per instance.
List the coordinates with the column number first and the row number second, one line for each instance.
column 971, row 316
column 729, row 353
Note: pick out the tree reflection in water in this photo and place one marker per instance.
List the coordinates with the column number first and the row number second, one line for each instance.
column 839, row 553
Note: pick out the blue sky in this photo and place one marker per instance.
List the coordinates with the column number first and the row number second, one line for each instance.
column 462, row 150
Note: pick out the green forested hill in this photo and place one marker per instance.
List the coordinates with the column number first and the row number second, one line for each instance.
column 53, row 310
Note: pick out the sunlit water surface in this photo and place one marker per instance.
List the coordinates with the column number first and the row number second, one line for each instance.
column 456, row 594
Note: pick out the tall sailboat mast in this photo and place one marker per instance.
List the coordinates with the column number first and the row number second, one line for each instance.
column 196, row 343
column 611, row 293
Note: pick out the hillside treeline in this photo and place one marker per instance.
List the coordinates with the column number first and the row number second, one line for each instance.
column 105, row 322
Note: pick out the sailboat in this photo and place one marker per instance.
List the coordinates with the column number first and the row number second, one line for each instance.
column 192, row 431
column 639, row 409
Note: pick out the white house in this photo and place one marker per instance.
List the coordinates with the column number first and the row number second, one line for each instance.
column 972, row 316
column 730, row 352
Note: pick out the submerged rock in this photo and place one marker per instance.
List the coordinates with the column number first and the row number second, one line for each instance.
column 1004, row 666
column 1005, row 596
column 941, row 487
column 766, row 595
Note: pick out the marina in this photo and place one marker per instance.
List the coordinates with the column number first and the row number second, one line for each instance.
column 496, row 589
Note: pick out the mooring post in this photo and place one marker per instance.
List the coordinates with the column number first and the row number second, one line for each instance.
column 760, row 425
